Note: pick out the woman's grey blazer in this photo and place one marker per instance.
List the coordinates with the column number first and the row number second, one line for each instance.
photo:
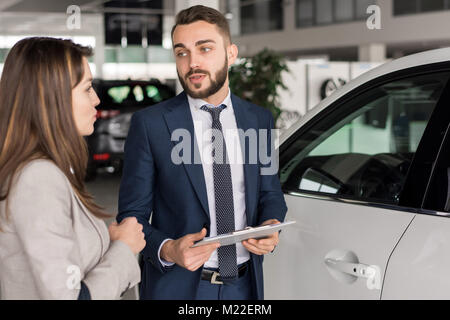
column 51, row 242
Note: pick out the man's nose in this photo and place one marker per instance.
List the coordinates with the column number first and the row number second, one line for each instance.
column 195, row 61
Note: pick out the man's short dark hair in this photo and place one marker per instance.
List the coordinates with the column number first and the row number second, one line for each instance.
column 202, row 13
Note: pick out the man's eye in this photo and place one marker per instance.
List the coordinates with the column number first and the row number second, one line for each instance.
column 181, row 54
column 206, row 49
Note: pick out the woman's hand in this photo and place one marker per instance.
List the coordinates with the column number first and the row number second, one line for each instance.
column 130, row 232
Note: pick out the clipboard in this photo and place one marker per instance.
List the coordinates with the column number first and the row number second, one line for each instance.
column 244, row 234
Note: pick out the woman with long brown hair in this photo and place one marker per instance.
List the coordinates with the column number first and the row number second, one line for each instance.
column 54, row 243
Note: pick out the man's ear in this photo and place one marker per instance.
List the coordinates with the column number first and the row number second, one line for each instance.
column 232, row 53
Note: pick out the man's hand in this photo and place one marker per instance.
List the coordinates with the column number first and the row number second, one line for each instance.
column 180, row 252
column 265, row 245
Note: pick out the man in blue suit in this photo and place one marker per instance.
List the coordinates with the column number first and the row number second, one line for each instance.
column 206, row 183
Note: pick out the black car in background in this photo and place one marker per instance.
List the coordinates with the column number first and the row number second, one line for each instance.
column 119, row 100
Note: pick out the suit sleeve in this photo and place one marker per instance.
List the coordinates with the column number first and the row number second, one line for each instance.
column 271, row 203
column 137, row 188
column 84, row 292
column 40, row 205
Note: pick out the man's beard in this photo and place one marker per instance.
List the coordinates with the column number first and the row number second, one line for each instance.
column 216, row 85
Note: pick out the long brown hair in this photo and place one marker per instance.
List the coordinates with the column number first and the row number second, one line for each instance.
column 36, row 117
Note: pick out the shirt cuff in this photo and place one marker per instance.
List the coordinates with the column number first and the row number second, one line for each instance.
column 163, row 262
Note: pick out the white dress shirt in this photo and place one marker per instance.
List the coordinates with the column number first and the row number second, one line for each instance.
column 202, row 127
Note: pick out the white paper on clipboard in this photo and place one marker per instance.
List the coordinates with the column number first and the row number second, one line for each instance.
column 247, row 233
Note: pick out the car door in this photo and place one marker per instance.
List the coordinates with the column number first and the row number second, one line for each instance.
column 419, row 266
column 345, row 175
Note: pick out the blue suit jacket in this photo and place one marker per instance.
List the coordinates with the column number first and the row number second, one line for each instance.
column 174, row 195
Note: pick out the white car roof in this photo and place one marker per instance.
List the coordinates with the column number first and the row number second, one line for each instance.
column 418, row 59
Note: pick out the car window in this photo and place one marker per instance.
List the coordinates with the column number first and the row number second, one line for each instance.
column 363, row 149
column 437, row 191
column 119, row 93
column 138, row 93
column 153, row 93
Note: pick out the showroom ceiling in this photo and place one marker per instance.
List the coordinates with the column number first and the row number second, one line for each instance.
column 61, row 5
column 44, row 5
column 49, row 16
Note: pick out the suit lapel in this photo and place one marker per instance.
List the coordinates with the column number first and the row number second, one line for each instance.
column 180, row 117
column 104, row 239
column 245, row 120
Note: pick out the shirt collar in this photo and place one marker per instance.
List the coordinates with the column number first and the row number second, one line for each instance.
column 198, row 103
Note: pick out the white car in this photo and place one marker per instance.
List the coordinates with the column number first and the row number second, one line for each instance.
column 366, row 176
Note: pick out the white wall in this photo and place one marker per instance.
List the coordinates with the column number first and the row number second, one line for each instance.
column 305, row 79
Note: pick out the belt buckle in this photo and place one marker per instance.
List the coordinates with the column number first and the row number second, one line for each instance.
column 214, row 277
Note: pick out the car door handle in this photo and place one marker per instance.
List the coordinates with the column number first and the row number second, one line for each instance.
column 359, row 270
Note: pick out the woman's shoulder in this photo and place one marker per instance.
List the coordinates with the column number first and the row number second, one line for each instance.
column 41, row 167
column 40, row 172
column 40, row 192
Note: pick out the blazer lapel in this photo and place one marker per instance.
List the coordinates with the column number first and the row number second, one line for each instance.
column 245, row 120
column 180, row 117
column 104, row 237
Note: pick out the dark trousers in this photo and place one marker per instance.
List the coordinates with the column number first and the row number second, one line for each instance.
column 238, row 289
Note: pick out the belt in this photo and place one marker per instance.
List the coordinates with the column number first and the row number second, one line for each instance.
column 214, row 276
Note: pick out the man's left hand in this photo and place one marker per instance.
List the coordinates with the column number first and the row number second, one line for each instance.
column 265, row 245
